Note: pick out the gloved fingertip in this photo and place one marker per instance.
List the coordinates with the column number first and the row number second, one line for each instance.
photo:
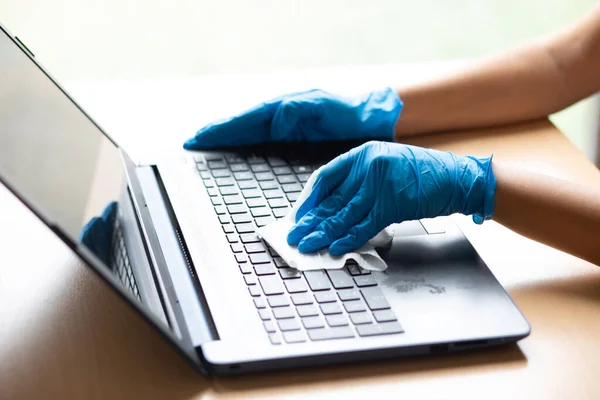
column 191, row 144
column 339, row 248
column 307, row 246
column 293, row 238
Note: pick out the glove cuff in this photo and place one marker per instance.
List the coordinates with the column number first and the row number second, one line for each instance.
column 385, row 106
column 485, row 210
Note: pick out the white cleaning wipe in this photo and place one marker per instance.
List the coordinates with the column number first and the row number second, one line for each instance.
column 275, row 234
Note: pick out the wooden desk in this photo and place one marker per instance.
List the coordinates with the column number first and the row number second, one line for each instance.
column 64, row 335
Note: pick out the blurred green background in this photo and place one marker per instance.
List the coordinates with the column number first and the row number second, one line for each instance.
column 131, row 39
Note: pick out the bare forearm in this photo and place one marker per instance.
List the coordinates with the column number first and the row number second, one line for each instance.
column 558, row 213
column 525, row 83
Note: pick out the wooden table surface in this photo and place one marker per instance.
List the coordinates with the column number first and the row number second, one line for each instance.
column 64, row 335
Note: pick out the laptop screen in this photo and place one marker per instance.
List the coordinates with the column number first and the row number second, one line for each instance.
column 62, row 163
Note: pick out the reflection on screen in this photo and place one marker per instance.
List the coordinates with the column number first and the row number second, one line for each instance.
column 51, row 153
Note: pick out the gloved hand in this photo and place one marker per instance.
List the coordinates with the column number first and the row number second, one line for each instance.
column 96, row 235
column 308, row 116
column 363, row 191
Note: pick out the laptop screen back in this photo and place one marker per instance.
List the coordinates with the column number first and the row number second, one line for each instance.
column 51, row 153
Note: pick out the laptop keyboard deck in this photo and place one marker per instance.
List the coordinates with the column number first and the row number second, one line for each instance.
column 252, row 191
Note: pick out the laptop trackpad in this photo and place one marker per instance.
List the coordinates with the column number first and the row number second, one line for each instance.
column 409, row 228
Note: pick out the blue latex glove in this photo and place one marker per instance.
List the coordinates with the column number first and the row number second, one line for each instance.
column 96, row 235
column 363, row 191
column 308, row 116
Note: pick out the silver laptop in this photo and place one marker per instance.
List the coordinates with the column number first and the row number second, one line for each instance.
column 177, row 242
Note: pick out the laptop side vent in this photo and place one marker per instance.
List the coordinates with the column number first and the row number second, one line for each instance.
column 185, row 253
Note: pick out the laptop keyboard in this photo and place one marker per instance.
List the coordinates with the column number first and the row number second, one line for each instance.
column 295, row 307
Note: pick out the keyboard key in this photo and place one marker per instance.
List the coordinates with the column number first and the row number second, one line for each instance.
column 205, row 175
column 331, row 308
column 274, row 338
column 255, row 248
column 280, row 262
column 228, row 228
column 264, row 269
column 245, row 228
column 349, row 294
column 212, row 192
column 241, row 218
column 200, row 166
column 340, row 279
column 284, row 313
column 235, row 199
column 245, row 268
column 216, row 201
column 313, row 322
column 303, row 177
column 307, row 310
column 213, row 157
column 232, row 238
column 340, row 332
column 260, row 258
column 269, row 185
column 224, row 219
column 384, row 316
column 247, row 184
column 375, row 298
column 360, row 318
column 254, row 291
column 288, row 324
column 263, row 221
column 271, row 285
column 275, row 161
column 384, row 328
column 317, row 280
column 221, row 173
column 264, row 176
column 242, row 176
column 365, row 280
column 249, row 238
column 353, row 269
column 217, row 164
column 286, row 179
column 237, row 247
column 325, row 297
column 292, row 197
column 260, row 302
column 354, row 306
column 256, row 202
column 281, row 212
column 301, row 298
column 260, row 168
column 241, row 167
column 272, row 252
column 278, row 301
column 260, row 212
column 282, row 170
column 234, row 158
column 250, row 279
column 336, row 320
column 291, row 187
column 251, row 193
column 236, row 209
column 299, row 169
column 241, row 258
column 289, row 273
column 225, row 182
column 220, row 210
column 264, row 314
column 228, row 191
column 209, row 183
column 295, row 286
column 255, row 159
column 270, row 326
column 294, row 337
column 278, row 202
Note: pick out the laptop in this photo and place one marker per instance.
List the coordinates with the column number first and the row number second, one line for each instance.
column 177, row 241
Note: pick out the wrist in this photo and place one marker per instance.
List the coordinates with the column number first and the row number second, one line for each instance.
column 385, row 109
